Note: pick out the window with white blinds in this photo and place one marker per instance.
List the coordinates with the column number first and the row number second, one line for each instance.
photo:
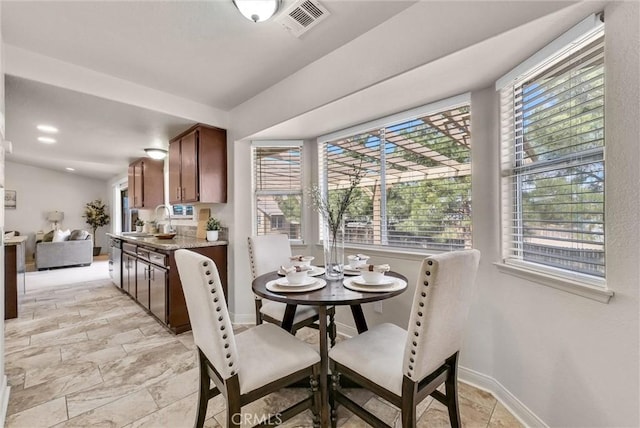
column 416, row 186
column 553, row 167
column 277, row 184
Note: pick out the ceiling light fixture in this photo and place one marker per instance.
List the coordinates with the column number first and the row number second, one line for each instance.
column 70, row 169
column 154, row 153
column 47, row 140
column 48, row 129
column 257, row 10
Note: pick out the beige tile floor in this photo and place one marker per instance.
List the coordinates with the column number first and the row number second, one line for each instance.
column 85, row 354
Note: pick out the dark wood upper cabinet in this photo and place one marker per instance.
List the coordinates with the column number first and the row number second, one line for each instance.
column 146, row 183
column 198, row 166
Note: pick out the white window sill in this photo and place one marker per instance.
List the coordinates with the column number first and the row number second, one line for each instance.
column 382, row 251
column 591, row 292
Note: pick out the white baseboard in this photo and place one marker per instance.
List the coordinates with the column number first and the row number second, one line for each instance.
column 346, row 330
column 4, row 399
column 243, row 318
column 502, row 394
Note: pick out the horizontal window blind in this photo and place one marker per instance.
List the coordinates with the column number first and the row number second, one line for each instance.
column 277, row 183
column 416, row 190
column 553, row 164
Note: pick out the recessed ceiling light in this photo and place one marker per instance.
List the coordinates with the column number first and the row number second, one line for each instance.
column 70, row 169
column 48, row 129
column 47, row 140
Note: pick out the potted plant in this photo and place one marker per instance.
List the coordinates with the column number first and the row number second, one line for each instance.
column 139, row 223
column 213, row 227
column 95, row 214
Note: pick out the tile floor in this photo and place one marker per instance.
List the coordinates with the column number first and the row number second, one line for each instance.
column 85, row 354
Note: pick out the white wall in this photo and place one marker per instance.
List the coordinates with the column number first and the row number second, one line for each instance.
column 569, row 360
column 4, row 390
column 42, row 190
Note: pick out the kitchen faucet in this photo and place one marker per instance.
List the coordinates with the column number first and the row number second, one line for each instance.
column 168, row 216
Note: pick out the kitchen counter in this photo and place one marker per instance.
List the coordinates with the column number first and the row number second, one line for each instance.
column 146, row 270
column 176, row 243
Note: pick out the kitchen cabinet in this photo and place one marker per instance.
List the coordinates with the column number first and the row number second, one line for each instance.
column 129, row 269
column 198, row 166
column 146, row 183
column 158, row 292
column 150, row 277
column 142, row 283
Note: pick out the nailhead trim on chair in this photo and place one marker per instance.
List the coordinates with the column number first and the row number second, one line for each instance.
column 421, row 303
column 216, row 299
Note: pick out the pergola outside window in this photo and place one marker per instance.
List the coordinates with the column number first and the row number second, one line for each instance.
column 416, row 186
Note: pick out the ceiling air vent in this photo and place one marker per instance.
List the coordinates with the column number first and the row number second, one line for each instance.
column 302, row 16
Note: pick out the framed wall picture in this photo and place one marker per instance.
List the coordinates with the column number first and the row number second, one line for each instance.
column 10, row 199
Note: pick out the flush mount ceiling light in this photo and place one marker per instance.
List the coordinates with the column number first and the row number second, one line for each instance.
column 154, row 153
column 257, row 10
column 70, row 169
column 48, row 129
column 47, row 140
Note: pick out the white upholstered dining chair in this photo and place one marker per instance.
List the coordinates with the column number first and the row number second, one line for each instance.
column 405, row 366
column 266, row 254
column 246, row 366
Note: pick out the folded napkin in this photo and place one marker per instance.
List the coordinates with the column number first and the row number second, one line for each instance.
column 300, row 258
column 288, row 270
column 375, row 268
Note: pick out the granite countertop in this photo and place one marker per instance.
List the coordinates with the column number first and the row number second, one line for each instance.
column 178, row 241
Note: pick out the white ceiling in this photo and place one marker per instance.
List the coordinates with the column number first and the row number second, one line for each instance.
column 96, row 137
column 206, row 52
column 201, row 50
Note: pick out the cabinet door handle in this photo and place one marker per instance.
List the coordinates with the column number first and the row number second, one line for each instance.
column 177, row 193
column 183, row 192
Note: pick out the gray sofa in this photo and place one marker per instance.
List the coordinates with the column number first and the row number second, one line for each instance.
column 66, row 253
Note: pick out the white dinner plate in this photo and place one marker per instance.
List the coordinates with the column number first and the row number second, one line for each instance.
column 315, row 271
column 284, row 282
column 386, row 280
column 316, row 285
column 348, row 270
column 396, row 284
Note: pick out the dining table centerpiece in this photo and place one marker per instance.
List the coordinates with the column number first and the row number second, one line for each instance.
column 332, row 205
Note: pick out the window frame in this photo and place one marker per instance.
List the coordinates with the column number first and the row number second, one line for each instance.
column 593, row 287
column 275, row 144
column 384, row 123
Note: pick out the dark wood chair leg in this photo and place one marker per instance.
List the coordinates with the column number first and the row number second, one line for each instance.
column 203, row 391
column 333, row 390
column 234, row 415
column 451, row 389
column 332, row 327
column 314, row 382
column 258, row 303
column 408, row 408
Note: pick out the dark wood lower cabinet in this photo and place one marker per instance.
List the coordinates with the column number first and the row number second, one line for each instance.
column 178, row 317
column 142, row 283
column 158, row 292
column 150, row 276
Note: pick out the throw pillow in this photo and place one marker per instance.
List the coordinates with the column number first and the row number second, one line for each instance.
column 48, row 237
column 61, row 235
column 78, row 235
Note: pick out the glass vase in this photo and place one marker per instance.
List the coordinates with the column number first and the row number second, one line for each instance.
column 333, row 242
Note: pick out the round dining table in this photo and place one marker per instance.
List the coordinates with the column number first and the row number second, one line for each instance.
column 334, row 293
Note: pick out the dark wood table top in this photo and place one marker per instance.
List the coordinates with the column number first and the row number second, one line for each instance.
column 334, row 293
